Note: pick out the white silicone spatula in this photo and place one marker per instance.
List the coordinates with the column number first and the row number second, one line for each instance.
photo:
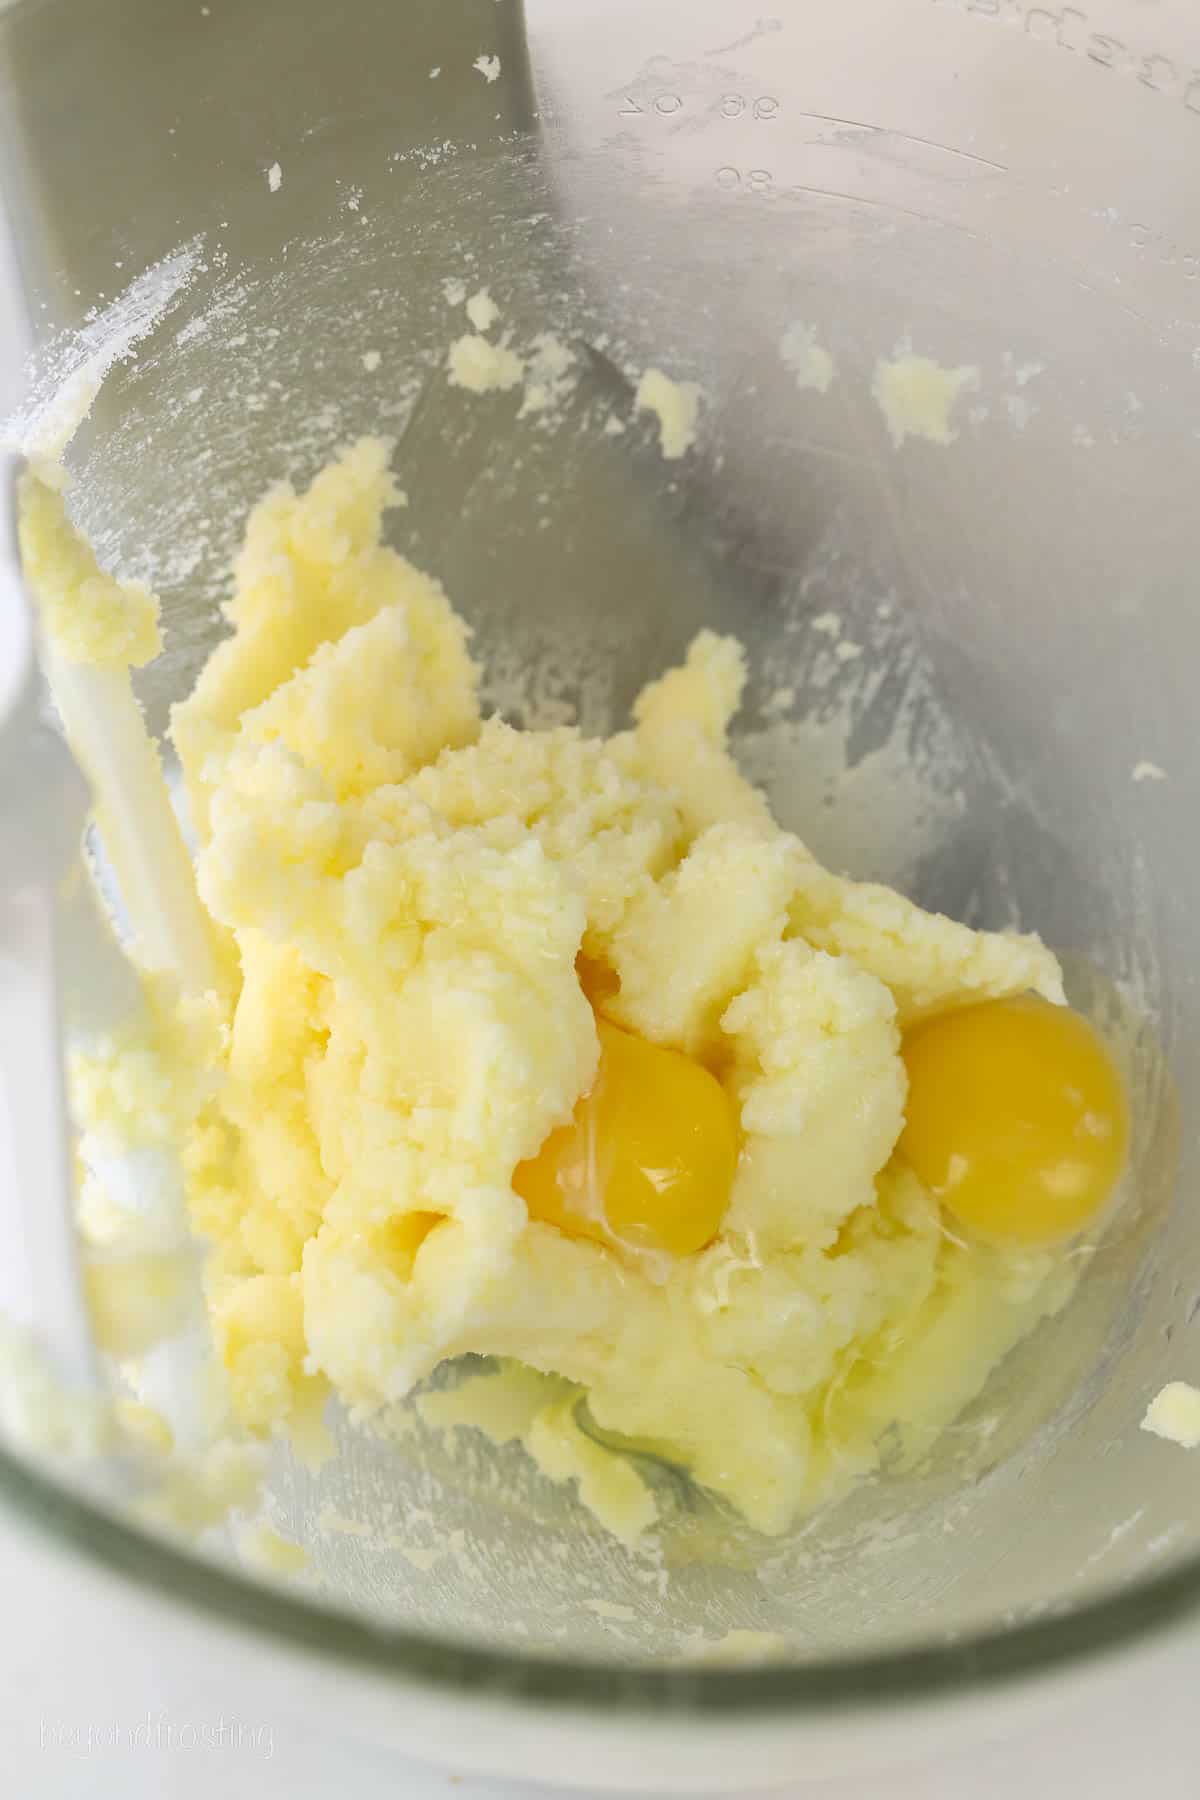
column 43, row 802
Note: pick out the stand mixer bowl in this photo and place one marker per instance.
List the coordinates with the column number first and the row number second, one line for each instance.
column 235, row 225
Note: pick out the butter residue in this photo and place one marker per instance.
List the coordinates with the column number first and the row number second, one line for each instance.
column 94, row 629
column 72, row 368
column 515, row 1404
column 137, row 1301
column 267, row 1549
column 810, row 364
column 91, row 617
column 186, row 1491
column 1174, row 1414
column 482, row 310
column 480, row 366
column 550, row 374
column 676, row 405
column 739, row 1648
column 917, row 396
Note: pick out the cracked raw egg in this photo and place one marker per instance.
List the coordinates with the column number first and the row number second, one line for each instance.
column 1017, row 1120
column 648, row 1159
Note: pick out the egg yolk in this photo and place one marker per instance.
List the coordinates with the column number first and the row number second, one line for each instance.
column 1016, row 1120
column 648, row 1159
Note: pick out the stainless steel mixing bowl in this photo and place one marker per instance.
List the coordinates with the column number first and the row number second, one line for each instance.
column 998, row 184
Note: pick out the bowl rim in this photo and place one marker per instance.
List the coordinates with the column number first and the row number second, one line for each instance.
column 923, row 1670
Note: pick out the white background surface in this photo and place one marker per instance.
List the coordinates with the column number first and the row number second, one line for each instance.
column 68, row 1673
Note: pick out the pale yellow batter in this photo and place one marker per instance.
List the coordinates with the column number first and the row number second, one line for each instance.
column 400, row 893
